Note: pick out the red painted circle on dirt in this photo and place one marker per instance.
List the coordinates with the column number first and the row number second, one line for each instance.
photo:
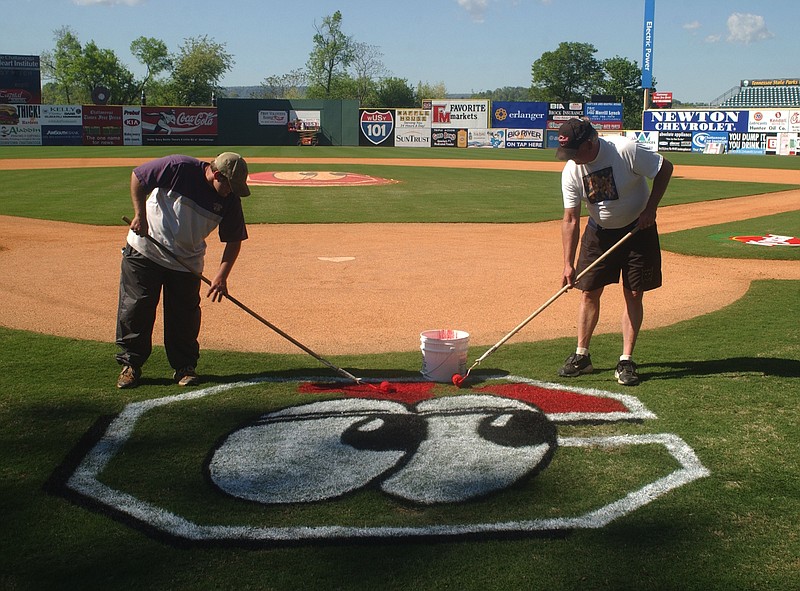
column 315, row 178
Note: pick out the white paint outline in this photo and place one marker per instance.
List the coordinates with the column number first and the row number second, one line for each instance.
column 85, row 481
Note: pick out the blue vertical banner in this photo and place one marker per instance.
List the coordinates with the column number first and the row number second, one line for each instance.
column 647, row 43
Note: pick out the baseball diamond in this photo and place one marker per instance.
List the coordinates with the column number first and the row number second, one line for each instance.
column 355, row 304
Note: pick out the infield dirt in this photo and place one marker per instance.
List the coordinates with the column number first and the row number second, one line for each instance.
column 368, row 288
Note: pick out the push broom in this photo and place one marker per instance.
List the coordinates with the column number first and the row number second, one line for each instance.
column 459, row 380
column 384, row 387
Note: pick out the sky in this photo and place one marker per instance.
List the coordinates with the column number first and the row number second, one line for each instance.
column 702, row 48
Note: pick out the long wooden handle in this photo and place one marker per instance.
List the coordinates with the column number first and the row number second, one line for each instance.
column 252, row 313
column 555, row 296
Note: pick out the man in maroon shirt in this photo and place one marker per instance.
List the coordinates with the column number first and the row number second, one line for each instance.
column 177, row 201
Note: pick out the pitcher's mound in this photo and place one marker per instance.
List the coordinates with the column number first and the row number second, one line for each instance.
column 315, row 179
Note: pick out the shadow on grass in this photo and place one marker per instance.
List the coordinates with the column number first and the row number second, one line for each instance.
column 735, row 366
column 323, row 374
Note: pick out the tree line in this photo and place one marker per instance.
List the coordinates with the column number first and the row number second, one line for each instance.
column 338, row 67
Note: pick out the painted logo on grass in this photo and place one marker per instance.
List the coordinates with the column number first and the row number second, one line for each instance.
column 344, row 461
column 768, row 240
column 315, row 178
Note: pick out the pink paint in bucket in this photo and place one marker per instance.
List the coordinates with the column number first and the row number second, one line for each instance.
column 444, row 353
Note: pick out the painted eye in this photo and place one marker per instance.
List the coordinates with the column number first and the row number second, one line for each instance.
column 518, row 428
column 476, row 445
column 316, row 451
column 402, row 432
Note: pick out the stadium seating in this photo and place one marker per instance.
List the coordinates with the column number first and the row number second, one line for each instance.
column 764, row 96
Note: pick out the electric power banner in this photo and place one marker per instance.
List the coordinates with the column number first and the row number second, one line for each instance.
column 647, row 43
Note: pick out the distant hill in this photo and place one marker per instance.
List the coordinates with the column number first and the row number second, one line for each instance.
column 243, row 91
column 246, row 92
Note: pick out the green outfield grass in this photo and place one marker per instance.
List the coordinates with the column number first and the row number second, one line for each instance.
column 726, row 383
column 100, row 196
column 715, row 241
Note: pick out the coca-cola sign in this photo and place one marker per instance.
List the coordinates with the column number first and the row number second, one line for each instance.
column 179, row 120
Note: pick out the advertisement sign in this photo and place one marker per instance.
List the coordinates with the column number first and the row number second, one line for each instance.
column 376, row 128
column 102, row 125
column 604, row 113
column 703, row 139
column 179, row 125
column 525, row 138
column 62, row 125
column 794, row 121
column 299, row 120
column 648, row 139
column 558, row 113
column 675, row 141
column 747, row 143
column 661, row 99
column 412, row 128
column 132, row 126
column 460, row 114
column 788, row 144
column 448, row 138
column 20, row 125
column 693, row 121
column 20, row 80
column 280, row 118
column 772, row 82
column 486, row 138
column 647, row 43
column 769, row 121
column 519, row 115
column 412, row 138
column 773, row 145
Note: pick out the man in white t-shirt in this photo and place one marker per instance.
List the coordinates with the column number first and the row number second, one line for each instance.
column 611, row 176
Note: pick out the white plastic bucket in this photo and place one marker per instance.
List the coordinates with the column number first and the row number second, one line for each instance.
column 444, row 353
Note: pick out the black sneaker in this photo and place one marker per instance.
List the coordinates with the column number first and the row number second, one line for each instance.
column 626, row 373
column 576, row 365
column 186, row 377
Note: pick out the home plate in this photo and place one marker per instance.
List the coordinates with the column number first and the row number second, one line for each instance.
column 336, row 259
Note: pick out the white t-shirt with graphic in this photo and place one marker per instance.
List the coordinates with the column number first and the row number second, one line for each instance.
column 614, row 185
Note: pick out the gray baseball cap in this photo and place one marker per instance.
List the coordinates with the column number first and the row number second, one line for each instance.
column 234, row 168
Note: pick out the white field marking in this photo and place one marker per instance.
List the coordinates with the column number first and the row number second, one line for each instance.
column 85, row 481
column 336, row 259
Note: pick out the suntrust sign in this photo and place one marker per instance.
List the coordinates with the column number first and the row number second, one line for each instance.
column 728, row 121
